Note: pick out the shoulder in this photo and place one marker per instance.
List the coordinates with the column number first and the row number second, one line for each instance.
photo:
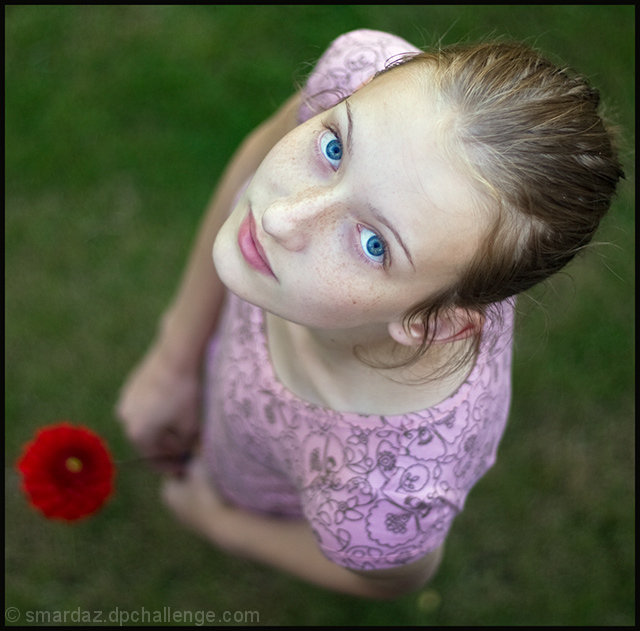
column 364, row 48
column 349, row 61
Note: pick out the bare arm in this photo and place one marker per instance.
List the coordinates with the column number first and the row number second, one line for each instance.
column 159, row 403
column 291, row 546
column 191, row 318
column 286, row 545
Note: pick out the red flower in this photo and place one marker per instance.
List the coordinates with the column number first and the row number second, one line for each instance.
column 67, row 472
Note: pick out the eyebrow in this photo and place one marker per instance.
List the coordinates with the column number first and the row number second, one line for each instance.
column 381, row 218
column 374, row 211
column 349, row 127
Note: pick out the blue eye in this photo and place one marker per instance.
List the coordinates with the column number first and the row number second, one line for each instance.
column 372, row 245
column 331, row 148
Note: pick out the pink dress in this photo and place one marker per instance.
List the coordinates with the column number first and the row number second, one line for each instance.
column 377, row 491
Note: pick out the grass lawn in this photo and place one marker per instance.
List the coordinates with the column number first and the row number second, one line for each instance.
column 118, row 120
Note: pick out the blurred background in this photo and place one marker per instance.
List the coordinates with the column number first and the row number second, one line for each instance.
column 119, row 120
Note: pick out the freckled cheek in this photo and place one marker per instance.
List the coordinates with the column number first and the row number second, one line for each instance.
column 342, row 289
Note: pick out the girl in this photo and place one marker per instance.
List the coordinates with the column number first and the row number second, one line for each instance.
column 372, row 235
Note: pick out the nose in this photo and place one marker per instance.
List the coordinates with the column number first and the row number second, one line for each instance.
column 293, row 220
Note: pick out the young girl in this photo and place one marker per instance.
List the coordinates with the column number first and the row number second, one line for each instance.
column 372, row 235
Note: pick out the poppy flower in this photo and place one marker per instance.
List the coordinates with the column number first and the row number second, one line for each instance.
column 67, row 472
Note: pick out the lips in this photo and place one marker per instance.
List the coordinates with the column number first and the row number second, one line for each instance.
column 251, row 248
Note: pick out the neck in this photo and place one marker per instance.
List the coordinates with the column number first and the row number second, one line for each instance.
column 326, row 367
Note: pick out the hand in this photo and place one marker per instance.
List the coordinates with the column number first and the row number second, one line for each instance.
column 159, row 407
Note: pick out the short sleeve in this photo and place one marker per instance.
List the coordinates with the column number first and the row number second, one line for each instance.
column 350, row 61
column 384, row 534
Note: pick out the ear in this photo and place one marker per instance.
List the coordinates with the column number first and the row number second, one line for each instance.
column 457, row 324
column 412, row 337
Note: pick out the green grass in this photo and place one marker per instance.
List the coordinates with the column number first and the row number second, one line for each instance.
column 119, row 120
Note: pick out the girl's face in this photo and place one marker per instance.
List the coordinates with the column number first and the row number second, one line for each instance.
column 355, row 215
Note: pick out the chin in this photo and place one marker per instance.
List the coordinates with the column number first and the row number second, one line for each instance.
column 230, row 268
column 225, row 261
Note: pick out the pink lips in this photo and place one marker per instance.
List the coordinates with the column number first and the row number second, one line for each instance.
column 250, row 246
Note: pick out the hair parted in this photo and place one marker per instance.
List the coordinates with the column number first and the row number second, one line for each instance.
column 530, row 135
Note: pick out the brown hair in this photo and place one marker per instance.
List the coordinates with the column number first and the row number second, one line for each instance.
column 531, row 135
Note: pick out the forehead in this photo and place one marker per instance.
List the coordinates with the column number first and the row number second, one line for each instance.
column 402, row 138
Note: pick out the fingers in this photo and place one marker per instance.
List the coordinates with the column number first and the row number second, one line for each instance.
column 165, row 444
column 169, row 449
column 173, row 451
column 173, row 466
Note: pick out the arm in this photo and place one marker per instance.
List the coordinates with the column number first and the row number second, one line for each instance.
column 291, row 546
column 286, row 545
column 159, row 403
column 190, row 320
